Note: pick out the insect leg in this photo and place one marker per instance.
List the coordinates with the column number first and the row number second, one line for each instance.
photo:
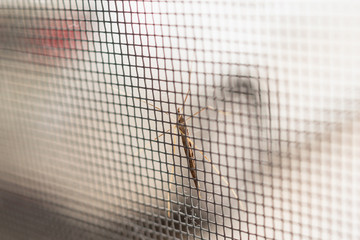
column 203, row 109
column 171, row 178
column 219, row 173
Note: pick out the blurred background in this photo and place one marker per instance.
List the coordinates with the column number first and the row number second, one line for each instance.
column 89, row 145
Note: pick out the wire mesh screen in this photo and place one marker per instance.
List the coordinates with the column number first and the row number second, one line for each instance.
column 179, row 119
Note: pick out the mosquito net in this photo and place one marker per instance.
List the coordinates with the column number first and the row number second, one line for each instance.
column 179, row 119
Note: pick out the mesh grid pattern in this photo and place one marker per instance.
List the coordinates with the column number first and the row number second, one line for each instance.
column 92, row 146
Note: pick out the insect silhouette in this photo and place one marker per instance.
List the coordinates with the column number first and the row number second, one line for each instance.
column 188, row 146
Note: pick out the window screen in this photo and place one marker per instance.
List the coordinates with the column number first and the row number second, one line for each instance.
column 179, row 119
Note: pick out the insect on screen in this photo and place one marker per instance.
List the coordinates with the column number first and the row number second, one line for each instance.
column 230, row 119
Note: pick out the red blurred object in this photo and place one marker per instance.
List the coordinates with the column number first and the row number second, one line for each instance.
column 58, row 38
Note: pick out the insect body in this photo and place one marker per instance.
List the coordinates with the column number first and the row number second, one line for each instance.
column 188, row 146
